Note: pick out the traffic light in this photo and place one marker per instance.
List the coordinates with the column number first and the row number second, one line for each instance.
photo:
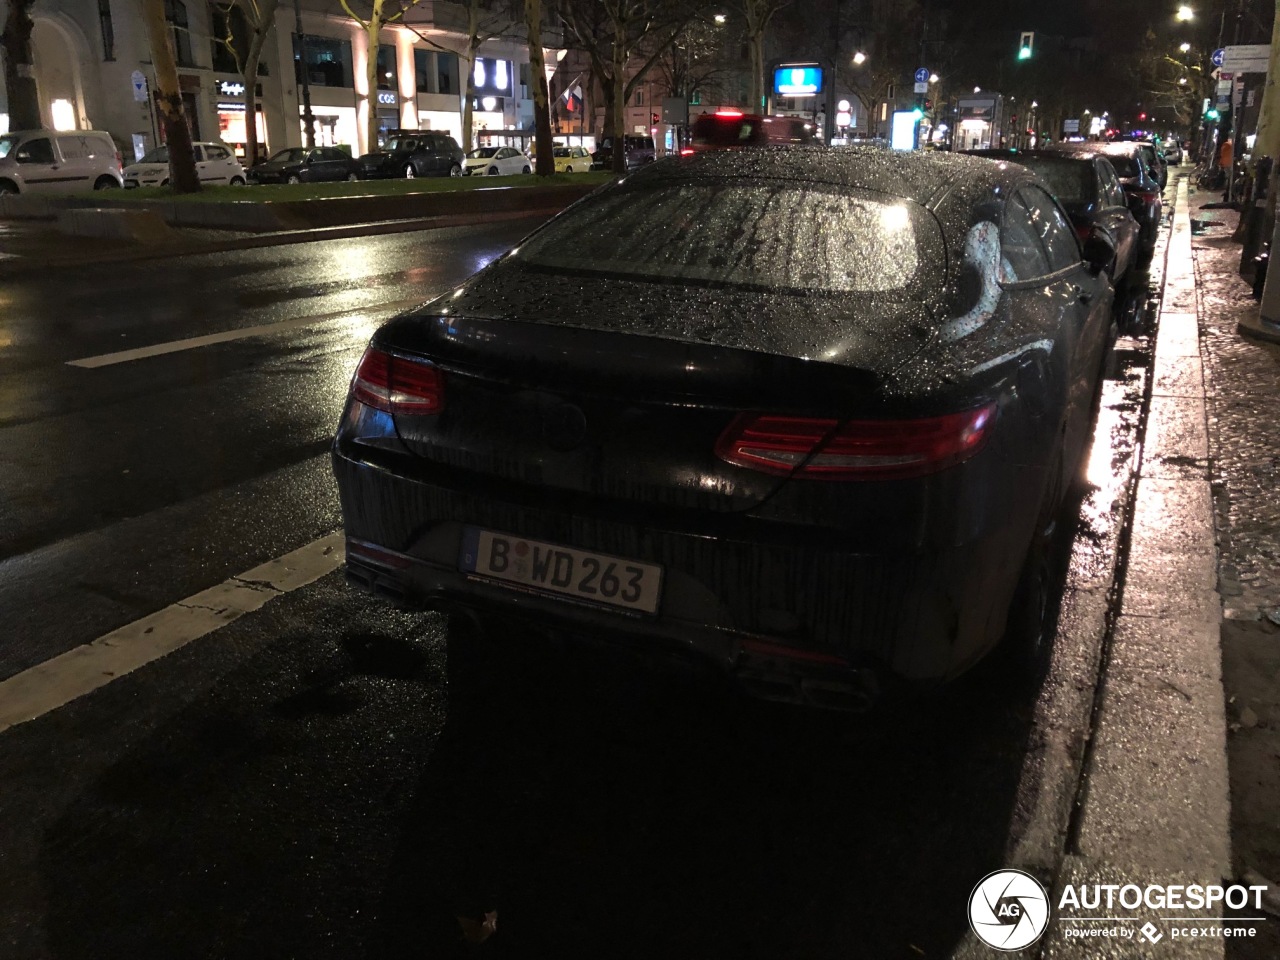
column 928, row 104
column 1025, row 45
column 653, row 119
column 1142, row 116
column 1212, row 114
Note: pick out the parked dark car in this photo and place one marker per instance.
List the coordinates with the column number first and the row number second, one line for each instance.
column 805, row 415
column 305, row 165
column 1090, row 192
column 1172, row 152
column 414, row 154
column 640, row 150
column 728, row 129
column 1141, row 186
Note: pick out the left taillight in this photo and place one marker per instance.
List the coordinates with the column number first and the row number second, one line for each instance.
column 824, row 449
column 398, row 385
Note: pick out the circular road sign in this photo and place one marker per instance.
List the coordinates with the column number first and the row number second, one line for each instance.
column 922, row 75
column 1217, row 56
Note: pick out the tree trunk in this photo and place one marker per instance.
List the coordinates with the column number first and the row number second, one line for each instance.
column 619, row 131
column 755, row 102
column 19, row 79
column 183, row 177
column 251, row 61
column 371, row 30
column 606, row 95
column 543, row 144
column 469, row 93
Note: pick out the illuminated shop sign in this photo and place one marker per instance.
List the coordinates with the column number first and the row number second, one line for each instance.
column 230, row 88
column 387, row 98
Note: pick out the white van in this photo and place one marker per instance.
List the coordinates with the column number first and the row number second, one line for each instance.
column 52, row 161
column 215, row 163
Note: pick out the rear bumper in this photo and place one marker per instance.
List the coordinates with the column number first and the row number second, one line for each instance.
column 757, row 607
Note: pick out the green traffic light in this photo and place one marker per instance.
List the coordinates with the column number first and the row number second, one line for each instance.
column 1212, row 114
column 1024, row 53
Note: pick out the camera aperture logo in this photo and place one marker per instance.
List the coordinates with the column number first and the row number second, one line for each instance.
column 1008, row 910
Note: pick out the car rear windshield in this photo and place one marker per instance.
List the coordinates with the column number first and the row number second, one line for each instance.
column 7, row 144
column 398, row 143
column 771, row 234
column 1126, row 164
column 1071, row 181
column 482, row 153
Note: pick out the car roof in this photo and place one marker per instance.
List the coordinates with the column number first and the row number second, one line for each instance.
column 1113, row 148
column 921, row 177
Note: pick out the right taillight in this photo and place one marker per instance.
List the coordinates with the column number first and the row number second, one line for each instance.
column 825, row 449
column 397, row 384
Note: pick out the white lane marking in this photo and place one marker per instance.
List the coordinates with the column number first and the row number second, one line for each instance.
column 264, row 329
column 56, row 682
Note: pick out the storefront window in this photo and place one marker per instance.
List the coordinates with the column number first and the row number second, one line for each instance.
column 422, row 68
column 232, row 130
column 335, row 127
column 446, row 73
column 328, row 61
column 386, row 67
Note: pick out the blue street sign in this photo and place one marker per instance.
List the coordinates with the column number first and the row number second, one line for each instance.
column 922, row 75
column 1217, row 56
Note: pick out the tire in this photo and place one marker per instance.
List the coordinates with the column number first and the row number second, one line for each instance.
column 164, row 182
column 455, row 171
column 352, row 177
column 7, row 188
column 1029, row 629
column 526, row 169
column 293, row 178
column 492, row 171
column 237, row 181
column 105, row 183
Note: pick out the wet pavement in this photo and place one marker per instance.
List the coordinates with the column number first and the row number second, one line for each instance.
column 1243, row 382
column 328, row 777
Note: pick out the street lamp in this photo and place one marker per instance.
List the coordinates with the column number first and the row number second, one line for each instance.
column 1185, row 13
column 859, row 58
column 934, row 78
column 720, row 19
column 1185, row 48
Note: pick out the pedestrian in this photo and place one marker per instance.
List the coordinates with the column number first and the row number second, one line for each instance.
column 1226, row 160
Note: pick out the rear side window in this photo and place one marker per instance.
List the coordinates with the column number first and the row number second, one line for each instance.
column 775, row 235
column 1071, row 181
column 1020, row 244
column 1112, row 191
column 1126, row 165
column 73, row 148
column 1053, row 228
column 727, row 132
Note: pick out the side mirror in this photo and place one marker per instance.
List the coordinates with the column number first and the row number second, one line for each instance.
column 1099, row 252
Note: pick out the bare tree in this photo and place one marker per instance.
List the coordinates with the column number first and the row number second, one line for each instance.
column 616, row 32
column 177, row 134
column 757, row 14
column 544, row 156
column 257, row 18
column 19, row 74
column 697, row 60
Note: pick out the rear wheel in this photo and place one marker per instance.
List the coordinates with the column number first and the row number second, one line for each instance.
column 409, row 172
column 492, row 171
column 293, row 178
column 105, row 183
column 526, row 169
column 352, row 177
column 237, row 181
column 455, row 171
column 1029, row 630
column 7, row 188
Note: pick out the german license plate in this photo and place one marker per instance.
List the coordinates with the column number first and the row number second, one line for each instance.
column 551, row 568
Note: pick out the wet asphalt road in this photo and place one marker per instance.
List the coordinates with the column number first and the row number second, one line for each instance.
column 330, row 778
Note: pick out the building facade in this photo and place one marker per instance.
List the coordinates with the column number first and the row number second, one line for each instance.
column 93, row 70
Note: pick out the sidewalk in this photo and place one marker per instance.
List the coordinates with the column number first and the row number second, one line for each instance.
column 1242, row 378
